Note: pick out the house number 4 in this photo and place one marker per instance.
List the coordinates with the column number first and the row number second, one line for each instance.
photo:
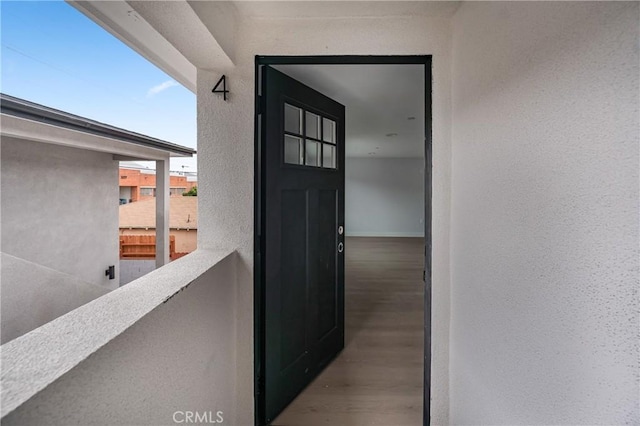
column 224, row 91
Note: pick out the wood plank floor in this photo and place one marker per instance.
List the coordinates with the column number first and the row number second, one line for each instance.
column 377, row 379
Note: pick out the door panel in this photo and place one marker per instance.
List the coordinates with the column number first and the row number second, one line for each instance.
column 327, row 265
column 302, row 209
column 294, row 271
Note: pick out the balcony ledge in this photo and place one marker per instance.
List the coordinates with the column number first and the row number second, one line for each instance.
column 35, row 360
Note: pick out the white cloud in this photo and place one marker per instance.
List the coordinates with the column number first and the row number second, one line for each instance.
column 161, row 87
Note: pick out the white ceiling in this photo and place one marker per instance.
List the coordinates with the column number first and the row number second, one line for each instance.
column 331, row 8
column 378, row 99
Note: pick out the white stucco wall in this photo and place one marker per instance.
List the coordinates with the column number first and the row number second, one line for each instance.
column 168, row 346
column 33, row 295
column 226, row 155
column 133, row 269
column 544, row 230
column 60, row 208
column 384, row 197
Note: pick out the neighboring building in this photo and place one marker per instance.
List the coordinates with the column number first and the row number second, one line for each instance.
column 59, row 221
column 138, row 222
column 140, row 219
column 140, row 184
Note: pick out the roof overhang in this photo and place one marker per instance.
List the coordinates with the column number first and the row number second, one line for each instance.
column 122, row 21
column 182, row 36
column 26, row 120
column 177, row 36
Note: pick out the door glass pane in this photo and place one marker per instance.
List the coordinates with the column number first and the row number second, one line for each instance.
column 328, row 156
column 313, row 154
column 313, row 125
column 292, row 150
column 292, row 119
column 328, row 130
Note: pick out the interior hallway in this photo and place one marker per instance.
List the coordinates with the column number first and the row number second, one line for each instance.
column 377, row 379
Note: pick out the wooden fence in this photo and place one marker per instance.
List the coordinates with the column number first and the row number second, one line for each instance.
column 144, row 247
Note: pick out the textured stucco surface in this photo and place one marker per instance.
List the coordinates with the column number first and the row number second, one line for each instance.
column 58, row 208
column 33, row 295
column 169, row 344
column 544, row 230
column 384, row 197
column 226, row 152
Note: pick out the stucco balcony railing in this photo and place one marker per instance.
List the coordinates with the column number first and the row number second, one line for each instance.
column 159, row 346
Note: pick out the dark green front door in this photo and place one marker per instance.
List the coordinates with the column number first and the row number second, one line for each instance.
column 302, row 236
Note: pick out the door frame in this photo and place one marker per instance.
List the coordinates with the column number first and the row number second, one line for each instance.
column 259, row 190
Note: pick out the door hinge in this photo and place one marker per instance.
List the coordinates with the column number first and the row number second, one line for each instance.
column 424, row 275
column 259, row 107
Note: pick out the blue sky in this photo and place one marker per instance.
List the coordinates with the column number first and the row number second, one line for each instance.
column 55, row 56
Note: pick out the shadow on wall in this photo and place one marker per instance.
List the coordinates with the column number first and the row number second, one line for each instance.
column 33, row 295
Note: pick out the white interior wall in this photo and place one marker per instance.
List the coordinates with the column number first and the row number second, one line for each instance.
column 544, row 231
column 226, row 152
column 384, row 197
column 60, row 208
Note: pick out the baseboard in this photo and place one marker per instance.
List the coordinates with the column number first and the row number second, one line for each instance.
column 385, row 234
